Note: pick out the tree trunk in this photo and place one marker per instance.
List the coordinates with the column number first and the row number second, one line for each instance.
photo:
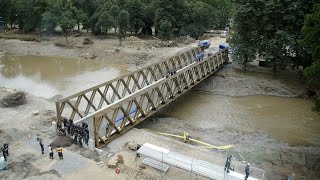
column 39, row 31
column 244, row 64
column 79, row 27
column 120, row 41
column 244, row 68
column 66, row 34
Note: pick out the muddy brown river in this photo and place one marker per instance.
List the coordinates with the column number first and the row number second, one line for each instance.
column 287, row 119
column 50, row 76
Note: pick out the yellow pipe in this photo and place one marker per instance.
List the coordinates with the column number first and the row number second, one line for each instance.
column 186, row 138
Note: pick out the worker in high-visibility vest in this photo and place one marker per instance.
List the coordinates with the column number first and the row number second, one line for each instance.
column 59, row 150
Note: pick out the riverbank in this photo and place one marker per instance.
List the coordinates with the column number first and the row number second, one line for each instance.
column 232, row 107
column 230, row 81
column 133, row 51
column 20, row 127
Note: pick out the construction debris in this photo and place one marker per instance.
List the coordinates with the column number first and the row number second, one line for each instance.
column 112, row 163
column 100, row 163
column 133, row 146
column 87, row 41
column 159, row 44
column 35, row 112
column 14, row 99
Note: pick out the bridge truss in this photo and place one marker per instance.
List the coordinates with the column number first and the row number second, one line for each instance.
column 114, row 107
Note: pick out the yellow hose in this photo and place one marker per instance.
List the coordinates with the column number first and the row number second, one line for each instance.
column 206, row 145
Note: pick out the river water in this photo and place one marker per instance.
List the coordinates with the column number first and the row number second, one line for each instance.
column 287, row 119
column 50, row 76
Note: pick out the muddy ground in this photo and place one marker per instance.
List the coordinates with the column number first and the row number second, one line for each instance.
column 20, row 127
column 279, row 159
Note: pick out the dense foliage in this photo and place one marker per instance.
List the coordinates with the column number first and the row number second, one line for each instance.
column 311, row 34
column 170, row 18
column 271, row 29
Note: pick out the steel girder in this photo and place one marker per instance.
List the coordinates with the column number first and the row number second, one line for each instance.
column 118, row 105
column 80, row 105
column 121, row 116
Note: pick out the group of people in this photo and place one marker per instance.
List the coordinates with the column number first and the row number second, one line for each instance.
column 50, row 150
column 228, row 167
column 79, row 133
column 5, row 150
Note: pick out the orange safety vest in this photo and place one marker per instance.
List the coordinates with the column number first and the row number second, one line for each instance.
column 59, row 149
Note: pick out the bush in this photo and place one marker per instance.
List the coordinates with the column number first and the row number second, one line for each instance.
column 14, row 99
column 165, row 30
column 87, row 41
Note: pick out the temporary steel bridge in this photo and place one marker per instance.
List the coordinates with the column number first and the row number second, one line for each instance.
column 116, row 106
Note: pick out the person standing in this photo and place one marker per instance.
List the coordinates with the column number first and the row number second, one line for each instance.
column 59, row 150
column 69, row 126
column 86, row 132
column 228, row 163
column 247, row 171
column 4, row 153
column 80, row 140
column 41, row 145
column 50, row 152
column 65, row 123
column 6, row 148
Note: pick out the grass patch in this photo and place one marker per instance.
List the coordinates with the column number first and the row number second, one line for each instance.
column 259, row 157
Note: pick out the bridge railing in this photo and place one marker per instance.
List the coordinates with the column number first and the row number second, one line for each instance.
column 120, row 116
column 88, row 101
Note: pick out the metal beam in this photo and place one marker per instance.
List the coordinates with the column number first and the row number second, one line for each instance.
column 140, row 94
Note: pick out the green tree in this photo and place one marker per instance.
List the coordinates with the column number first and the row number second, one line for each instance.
column 123, row 24
column 197, row 19
column 65, row 17
column 274, row 28
column 171, row 12
column 149, row 15
column 52, row 16
column 165, row 30
column 245, row 37
column 93, row 21
column 67, row 23
column 281, row 32
column 88, row 7
column 25, row 15
column 121, row 3
column 114, row 12
column 136, row 11
column 311, row 33
column 221, row 13
column 79, row 16
column 39, row 9
column 106, row 22
column 7, row 11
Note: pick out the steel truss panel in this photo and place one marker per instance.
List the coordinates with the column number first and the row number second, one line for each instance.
column 147, row 101
column 90, row 100
column 143, row 93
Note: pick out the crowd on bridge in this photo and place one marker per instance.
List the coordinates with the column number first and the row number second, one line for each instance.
column 80, row 133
